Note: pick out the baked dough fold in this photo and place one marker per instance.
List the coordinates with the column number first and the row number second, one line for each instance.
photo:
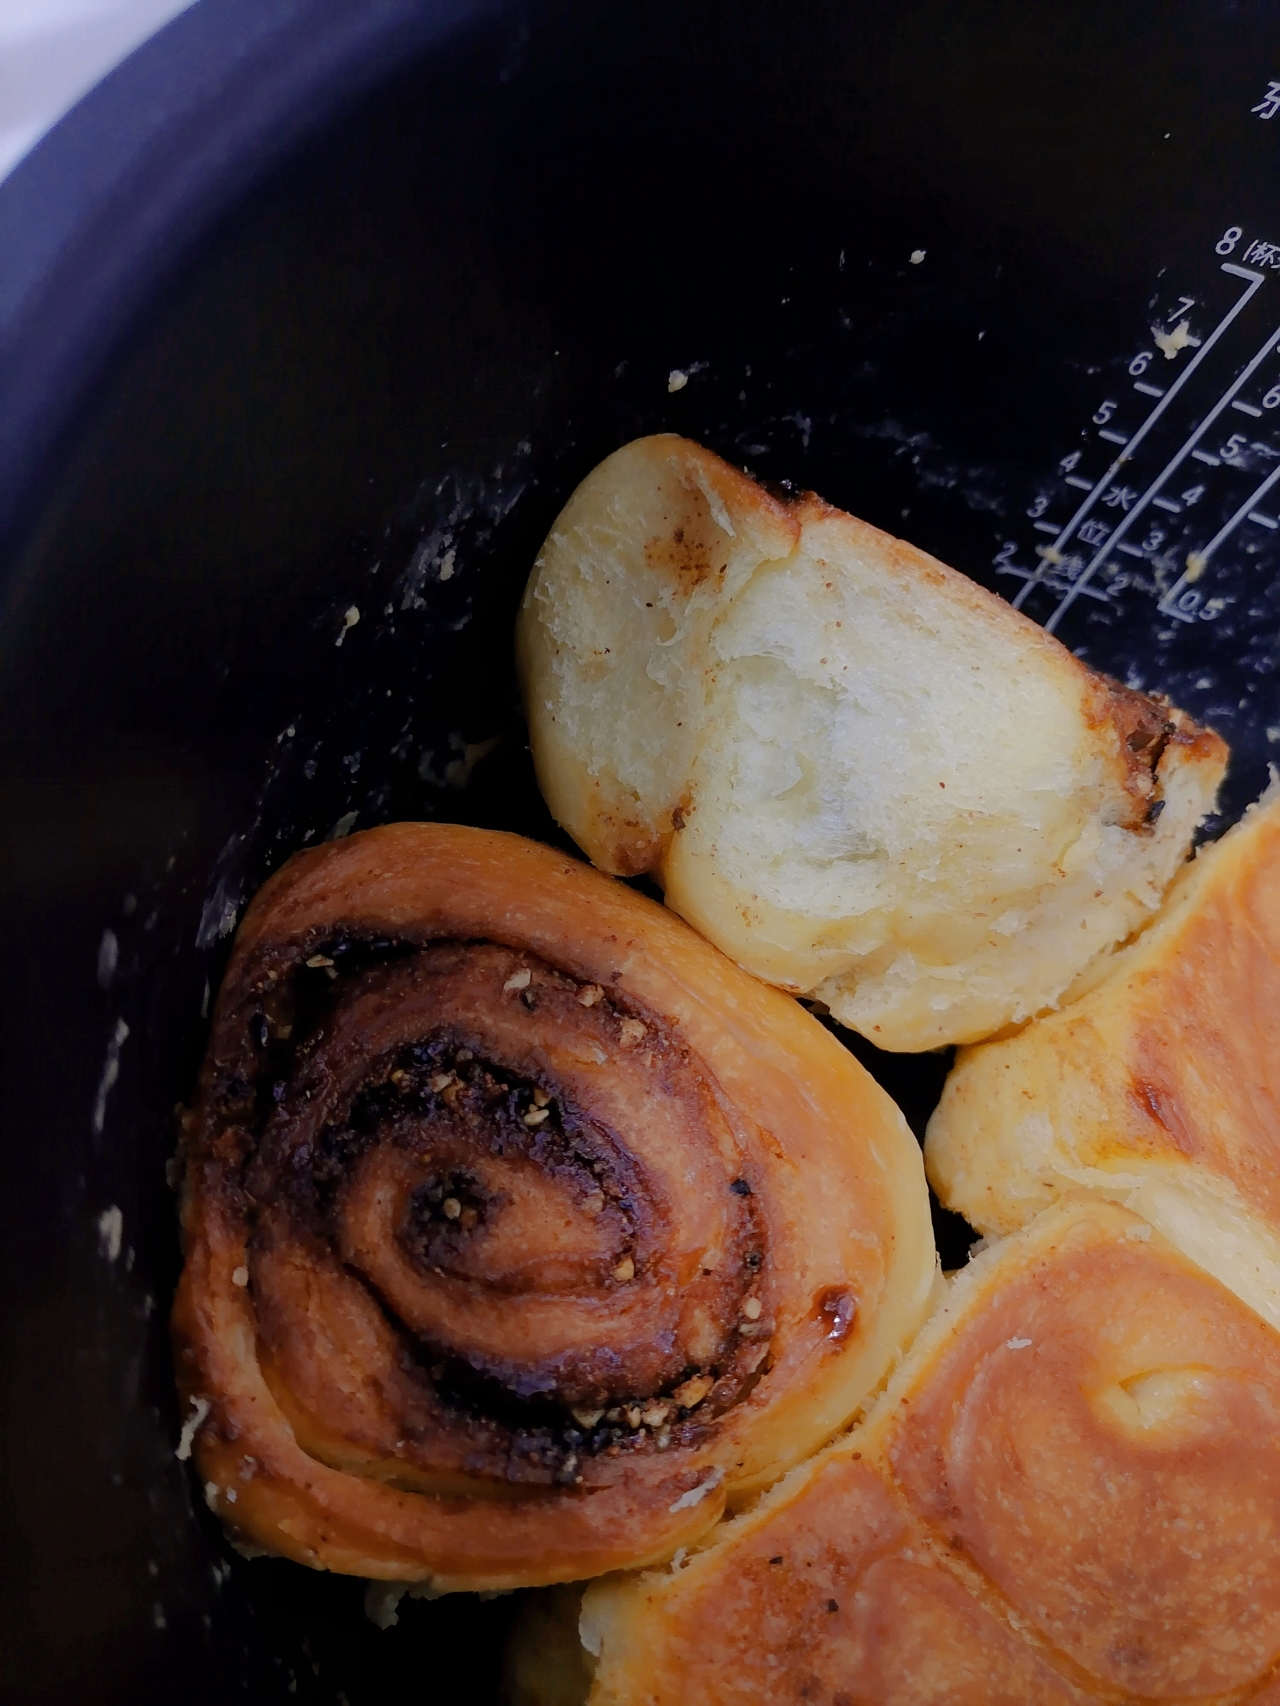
column 522, row 1230
column 1159, row 1088
column 861, row 775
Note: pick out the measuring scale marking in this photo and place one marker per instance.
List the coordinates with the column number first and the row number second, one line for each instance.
column 1099, row 573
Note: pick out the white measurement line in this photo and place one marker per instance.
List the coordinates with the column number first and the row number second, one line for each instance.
column 1147, row 390
column 1204, row 456
column 1046, row 527
column 1187, row 446
column 1114, row 437
column 1168, row 503
column 1133, row 550
column 1079, row 483
column 1262, row 520
column 1247, row 409
column 1202, row 349
column 1201, row 558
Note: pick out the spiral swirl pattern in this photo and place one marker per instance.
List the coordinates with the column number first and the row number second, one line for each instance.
column 522, row 1230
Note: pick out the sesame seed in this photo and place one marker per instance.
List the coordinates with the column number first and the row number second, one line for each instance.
column 625, row 1270
column 655, row 1415
column 451, row 1208
column 589, row 994
column 535, row 1116
column 317, row 960
column 240, row 1276
column 540, row 1097
column 751, row 1308
column 633, row 1417
column 519, row 979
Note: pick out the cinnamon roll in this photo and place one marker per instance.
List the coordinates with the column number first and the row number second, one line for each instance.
column 1159, row 1088
column 522, row 1230
column 864, row 777
column 1070, row 1492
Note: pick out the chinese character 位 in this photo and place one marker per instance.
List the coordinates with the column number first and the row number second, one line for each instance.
column 1263, row 254
column 1120, row 497
column 1269, row 105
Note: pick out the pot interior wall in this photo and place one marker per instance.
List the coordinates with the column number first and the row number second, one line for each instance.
column 398, row 356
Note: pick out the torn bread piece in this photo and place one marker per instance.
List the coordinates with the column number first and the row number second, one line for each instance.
column 861, row 775
column 1159, row 1088
column 1069, row 1493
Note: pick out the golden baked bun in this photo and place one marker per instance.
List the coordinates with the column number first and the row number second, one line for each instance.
column 1070, row 1492
column 1159, row 1088
column 521, row 1228
column 861, row 775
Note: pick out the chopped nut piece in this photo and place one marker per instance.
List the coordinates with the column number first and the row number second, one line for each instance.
column 625, row 1270
column 240, row 1276
column 586, row 1418
column 451, row 1208
column 319, row 960
column 519, row 979
column 441, row 1081
column 535, row 1116
column 751, row 1308
column 594, row 1203
column 632, row 1031
column 467, row 1219
column 655, row 1415
column 691, row 1394
column 400, row 1076
column 633, row 1417
column 589, row 994
column 540, row 1097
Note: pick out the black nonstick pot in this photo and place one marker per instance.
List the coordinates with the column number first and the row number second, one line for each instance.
column 312, row 300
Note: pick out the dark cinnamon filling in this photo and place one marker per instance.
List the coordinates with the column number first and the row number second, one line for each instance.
column 496, row 1156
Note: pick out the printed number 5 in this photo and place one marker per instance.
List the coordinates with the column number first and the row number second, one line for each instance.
column 1103, row 413
column 1230, row 451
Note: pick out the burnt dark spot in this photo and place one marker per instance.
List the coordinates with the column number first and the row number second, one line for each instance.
column 833, row 1605
column 1154, row 810
column 776, row 1560
column 677, row 819
column 259, row 1030
column 753, row 1260
column 740, row 1187
column 530, row 999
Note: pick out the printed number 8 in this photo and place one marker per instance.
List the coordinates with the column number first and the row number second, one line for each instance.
column 1228, row 240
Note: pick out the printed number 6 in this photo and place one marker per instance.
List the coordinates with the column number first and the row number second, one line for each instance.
column 1104, row 412
column 1272, row 398
column 1140, row 363
column 1228, row 240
